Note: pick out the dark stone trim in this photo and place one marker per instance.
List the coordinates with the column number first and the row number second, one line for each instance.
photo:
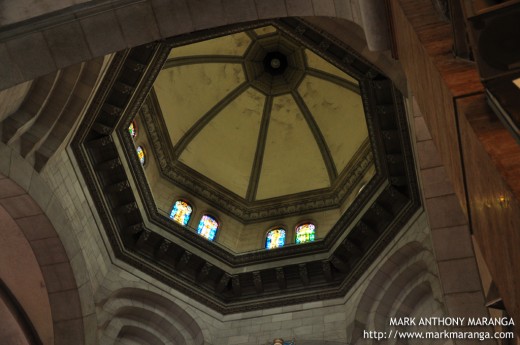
column 334, row 79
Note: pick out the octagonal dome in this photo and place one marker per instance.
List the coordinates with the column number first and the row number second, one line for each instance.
column 258, row 116
column 245, row 152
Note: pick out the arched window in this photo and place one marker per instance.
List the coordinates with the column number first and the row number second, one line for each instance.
column 305, row 233
column 208, row 227
column 133, row 129
column 181, row 212
column 275, row 239
column 141, row 154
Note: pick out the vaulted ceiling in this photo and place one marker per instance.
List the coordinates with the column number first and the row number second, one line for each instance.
column 261, row 120
column 250, row 117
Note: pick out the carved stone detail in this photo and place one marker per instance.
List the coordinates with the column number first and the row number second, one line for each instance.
column 385, row 109
column 380, row 211
column 125, row 89
column 101, row 142
column 101, row 128
column 163, row 249
column 351, row 247
column 110, row 164
column 143, row 237
column 235, row 283
column 127, row 208
column 365, row 229
column 280, row 277
column 257, row 280
column 394, row 159
column 327, row 270
column 134, row 229
column 348, row 59
column 183, row 261
column 371, row 73
column 339, row 263
column 135, row 66
column 111, row 110
column 204, row 271
column 304, row 275
column 118, row 187
column 323, row 46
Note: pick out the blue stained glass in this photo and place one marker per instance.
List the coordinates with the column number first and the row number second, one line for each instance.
column 208, row 227
column 275, row 239
column 181, row 212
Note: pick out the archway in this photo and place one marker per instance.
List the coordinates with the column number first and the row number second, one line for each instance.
column 36, row 268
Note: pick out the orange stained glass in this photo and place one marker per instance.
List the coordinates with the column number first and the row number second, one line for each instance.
column 181, row 212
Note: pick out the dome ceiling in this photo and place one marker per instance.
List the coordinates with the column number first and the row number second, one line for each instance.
column 284, row 101
column 257, row 116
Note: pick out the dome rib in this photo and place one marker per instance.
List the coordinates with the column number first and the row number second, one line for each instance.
column 206, row 118
column 202, row 59
column 318, row 136
column 260, row 147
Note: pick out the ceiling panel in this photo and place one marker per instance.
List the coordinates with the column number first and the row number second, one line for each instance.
column 292, row 159
column 339, row 115
column 224, row 149
column 186, row 93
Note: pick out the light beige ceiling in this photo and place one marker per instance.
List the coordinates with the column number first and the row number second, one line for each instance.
column 257, row 144
column 224, row 149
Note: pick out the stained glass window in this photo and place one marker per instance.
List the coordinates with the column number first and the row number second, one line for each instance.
column 141, row 154
column 208, row 227
column 132, row 129
column 181, row 212
column 275, row 239
column 305, row 233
